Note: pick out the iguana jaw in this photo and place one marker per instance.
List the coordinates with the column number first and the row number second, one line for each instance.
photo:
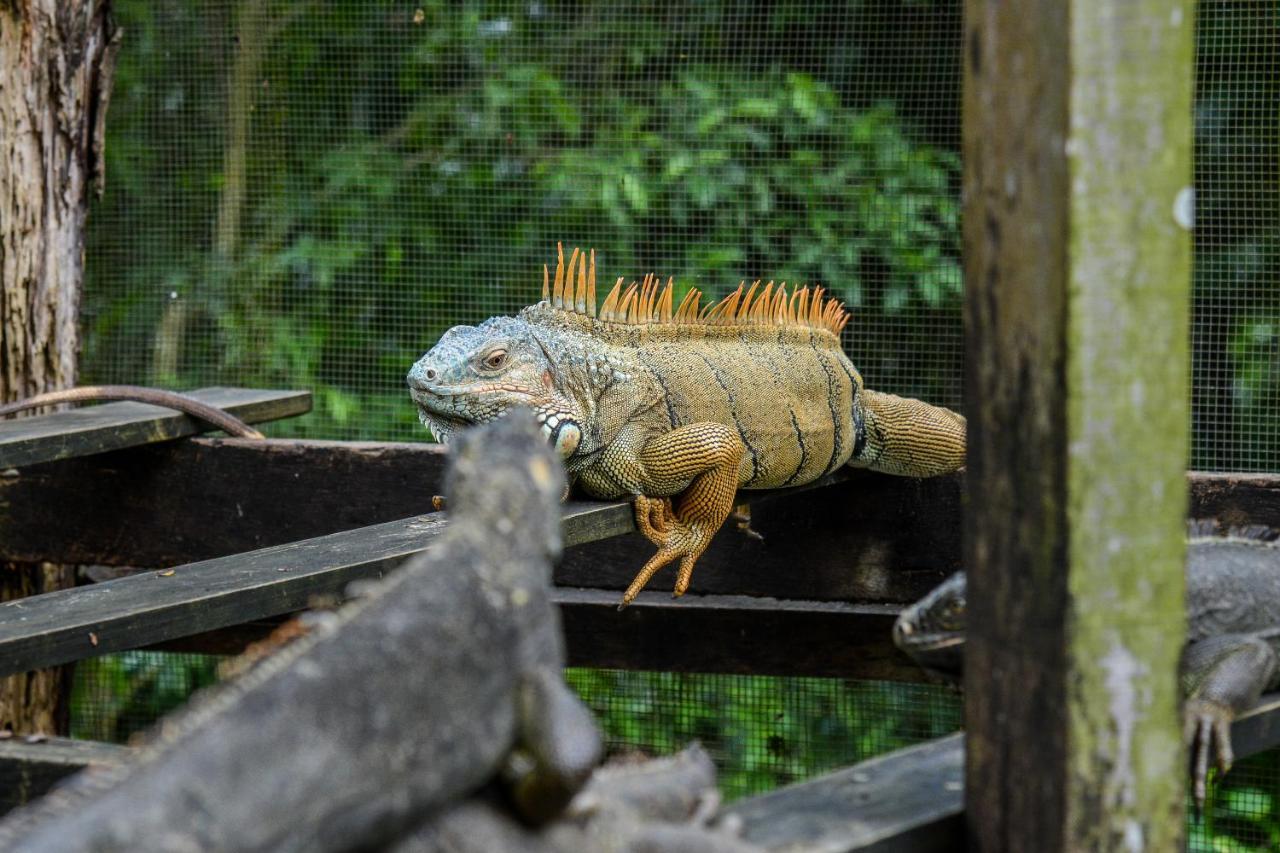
column 446, row 410
column 932, row 631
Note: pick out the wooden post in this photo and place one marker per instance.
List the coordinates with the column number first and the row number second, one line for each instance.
column 1077, row 256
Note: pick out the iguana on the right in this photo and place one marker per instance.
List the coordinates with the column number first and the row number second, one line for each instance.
column 1232, row 651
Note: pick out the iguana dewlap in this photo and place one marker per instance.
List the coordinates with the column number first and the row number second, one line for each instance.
column 677, row 407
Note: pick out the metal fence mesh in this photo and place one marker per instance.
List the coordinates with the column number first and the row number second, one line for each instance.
column 307, row 193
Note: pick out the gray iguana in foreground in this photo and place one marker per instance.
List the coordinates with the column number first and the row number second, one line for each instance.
column 445, row 676
column 677, row 407
column 1232, row 651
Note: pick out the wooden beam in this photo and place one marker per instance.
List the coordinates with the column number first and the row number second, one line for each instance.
column 1077, row 142
column 1258, row 729
column 871, row 538
column 29, row 767
column 734, row 634
column 908, row 801
column 186, row 501
column 111, row 426
column 874, row 538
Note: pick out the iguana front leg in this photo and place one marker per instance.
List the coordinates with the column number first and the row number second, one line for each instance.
column 706, row 457
column 1221, row 677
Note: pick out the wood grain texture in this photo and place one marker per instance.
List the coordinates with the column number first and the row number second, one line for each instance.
column 711, row 633
column 1077, row 152
column 112, row 426
column 699, row 633
column 907, row 801
column 184, row 501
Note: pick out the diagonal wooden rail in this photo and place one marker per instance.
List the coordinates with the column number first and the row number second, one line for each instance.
column 719, row 633
column 911, row 800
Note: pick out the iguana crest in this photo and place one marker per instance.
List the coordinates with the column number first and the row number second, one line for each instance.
column 648, row 302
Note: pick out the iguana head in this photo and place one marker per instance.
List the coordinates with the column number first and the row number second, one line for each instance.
column 475, row 374
column 932, row 630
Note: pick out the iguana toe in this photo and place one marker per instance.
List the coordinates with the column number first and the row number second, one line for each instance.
column 676, row 540
column 1207, row 730
column 654, row 518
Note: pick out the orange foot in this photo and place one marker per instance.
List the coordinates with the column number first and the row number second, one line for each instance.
column 676, row 539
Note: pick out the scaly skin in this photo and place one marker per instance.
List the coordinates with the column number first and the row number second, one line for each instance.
column 678, row 409
column 1232, row 652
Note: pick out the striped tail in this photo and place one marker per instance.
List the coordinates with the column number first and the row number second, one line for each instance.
column 909, row 438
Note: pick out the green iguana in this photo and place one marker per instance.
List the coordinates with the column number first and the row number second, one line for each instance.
column 679, row 407
column 1232, row 652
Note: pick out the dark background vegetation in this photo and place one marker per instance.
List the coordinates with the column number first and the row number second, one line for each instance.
column 306, row 194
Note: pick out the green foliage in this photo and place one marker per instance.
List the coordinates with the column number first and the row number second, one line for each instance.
column 405, row 171
column 763, row 731
column 116, row 696
column 1240, row 811
column 399, row 171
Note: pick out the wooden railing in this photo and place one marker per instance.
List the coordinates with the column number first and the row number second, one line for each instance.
column 224, row 537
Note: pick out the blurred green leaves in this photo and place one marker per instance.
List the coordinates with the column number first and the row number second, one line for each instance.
column 403, row 172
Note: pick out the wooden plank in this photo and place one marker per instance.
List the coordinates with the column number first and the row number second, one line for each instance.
column 153, row 606
column 1077, row 256
column 30, row 767
column 911, row 800
column 735, row 634
column 908, row 801
column 111, row 426
column 1258, row 729
column 873, row 537
column 186, row 501
column 731, row 634
column 1236, row 500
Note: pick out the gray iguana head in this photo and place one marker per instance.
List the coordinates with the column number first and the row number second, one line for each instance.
column 475, row 374
column 932, row 630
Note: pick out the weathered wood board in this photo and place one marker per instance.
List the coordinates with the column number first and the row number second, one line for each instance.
column 112, row 426
column 908, row 801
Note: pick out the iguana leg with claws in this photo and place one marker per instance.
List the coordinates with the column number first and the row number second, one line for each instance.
column 707, row 457
column 1222, row 677
column 1230, row 658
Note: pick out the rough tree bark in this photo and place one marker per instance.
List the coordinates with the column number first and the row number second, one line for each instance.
column 56, row 61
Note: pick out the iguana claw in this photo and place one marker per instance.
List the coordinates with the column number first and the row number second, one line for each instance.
column 741, row 516
column 657, row 520
column 1206, row 728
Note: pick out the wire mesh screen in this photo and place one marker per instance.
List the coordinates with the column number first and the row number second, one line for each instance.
column 764, row 731
column 306, row 193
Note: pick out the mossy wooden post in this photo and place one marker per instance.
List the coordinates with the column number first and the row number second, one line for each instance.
column 1077, row 155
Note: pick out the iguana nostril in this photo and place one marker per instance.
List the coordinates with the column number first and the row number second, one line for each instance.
column 431, row 374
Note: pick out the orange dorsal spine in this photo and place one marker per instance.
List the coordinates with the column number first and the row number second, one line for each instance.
column 649, row 301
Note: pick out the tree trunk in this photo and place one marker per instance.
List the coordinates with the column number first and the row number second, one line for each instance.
column 56, row 60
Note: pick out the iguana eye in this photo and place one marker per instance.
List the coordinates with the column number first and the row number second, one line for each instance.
column 495, row 359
